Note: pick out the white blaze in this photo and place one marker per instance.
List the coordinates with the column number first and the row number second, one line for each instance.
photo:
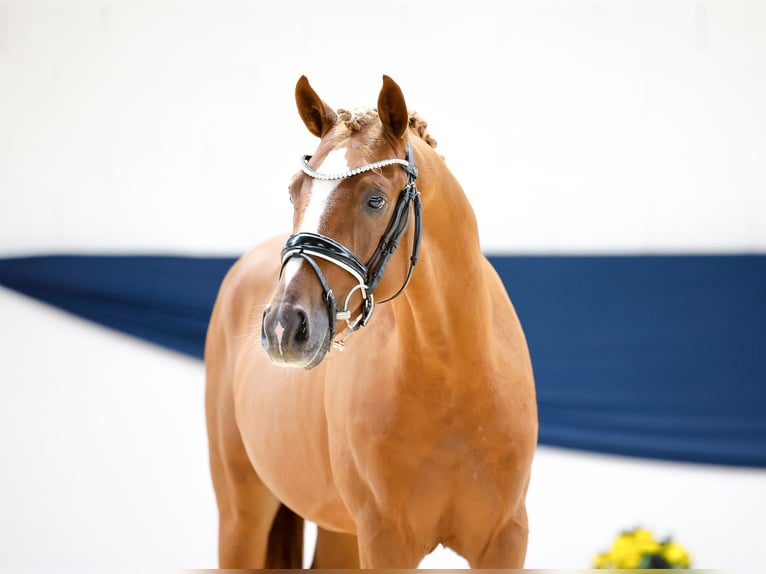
column 320, row 198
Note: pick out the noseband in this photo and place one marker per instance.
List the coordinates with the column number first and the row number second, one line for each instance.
column 312, row 246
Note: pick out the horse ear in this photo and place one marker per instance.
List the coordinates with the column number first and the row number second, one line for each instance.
column 392, row 108
column 318, row 116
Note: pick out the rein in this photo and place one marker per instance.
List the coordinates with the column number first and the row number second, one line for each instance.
column 309, row 246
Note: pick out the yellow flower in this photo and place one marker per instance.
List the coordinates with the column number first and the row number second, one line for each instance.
column 625, row 553
column 631, row 560
column 645, row 542
column 642, row 536
column 602, row 561
column 630, row 548
column 676, row 554
column 622, row 545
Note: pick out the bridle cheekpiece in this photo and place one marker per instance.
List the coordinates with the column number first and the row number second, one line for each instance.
column 312, row 246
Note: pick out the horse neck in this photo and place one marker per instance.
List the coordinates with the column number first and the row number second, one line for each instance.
column 447, row 294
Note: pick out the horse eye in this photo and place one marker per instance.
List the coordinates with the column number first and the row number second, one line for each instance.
column 376, row 202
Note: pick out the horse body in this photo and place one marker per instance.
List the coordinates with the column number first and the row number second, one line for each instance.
column 422, row 432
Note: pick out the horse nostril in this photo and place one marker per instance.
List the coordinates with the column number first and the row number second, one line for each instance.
column 285, row 331
column 302, row 332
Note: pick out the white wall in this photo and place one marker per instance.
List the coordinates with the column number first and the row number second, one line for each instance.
column 104, row 457
column 574, row 126
column 169, row 126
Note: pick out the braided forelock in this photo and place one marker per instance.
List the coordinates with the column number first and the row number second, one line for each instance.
column 361, row 118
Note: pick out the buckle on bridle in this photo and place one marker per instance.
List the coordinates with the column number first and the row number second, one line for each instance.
column 361, row 320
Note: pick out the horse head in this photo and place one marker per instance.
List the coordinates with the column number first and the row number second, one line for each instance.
column 353, row 203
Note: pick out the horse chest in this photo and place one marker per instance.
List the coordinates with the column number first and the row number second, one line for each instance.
column 421, row 453
column 283, row 427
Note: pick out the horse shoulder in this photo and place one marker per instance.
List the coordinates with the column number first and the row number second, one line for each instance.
column 230, row 325
column 508, row 367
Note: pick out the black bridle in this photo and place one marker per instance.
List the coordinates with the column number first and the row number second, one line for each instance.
column 310, row 246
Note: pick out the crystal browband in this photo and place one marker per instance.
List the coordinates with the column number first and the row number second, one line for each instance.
column 350, row 173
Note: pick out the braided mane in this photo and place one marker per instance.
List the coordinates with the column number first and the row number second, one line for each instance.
column 362, row 118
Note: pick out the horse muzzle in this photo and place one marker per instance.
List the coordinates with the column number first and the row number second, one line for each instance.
column 293, row 336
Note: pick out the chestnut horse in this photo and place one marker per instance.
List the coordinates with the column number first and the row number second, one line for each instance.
column 423, row 430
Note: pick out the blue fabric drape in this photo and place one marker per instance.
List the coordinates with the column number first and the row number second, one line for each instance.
column 165, row 300
column 654, row 356
column 658, row 356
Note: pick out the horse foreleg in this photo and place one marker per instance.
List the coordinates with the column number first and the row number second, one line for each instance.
column 382, row 545
column 335, row 550
column 246, row 508
column 507, row 549
column 243, row 537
